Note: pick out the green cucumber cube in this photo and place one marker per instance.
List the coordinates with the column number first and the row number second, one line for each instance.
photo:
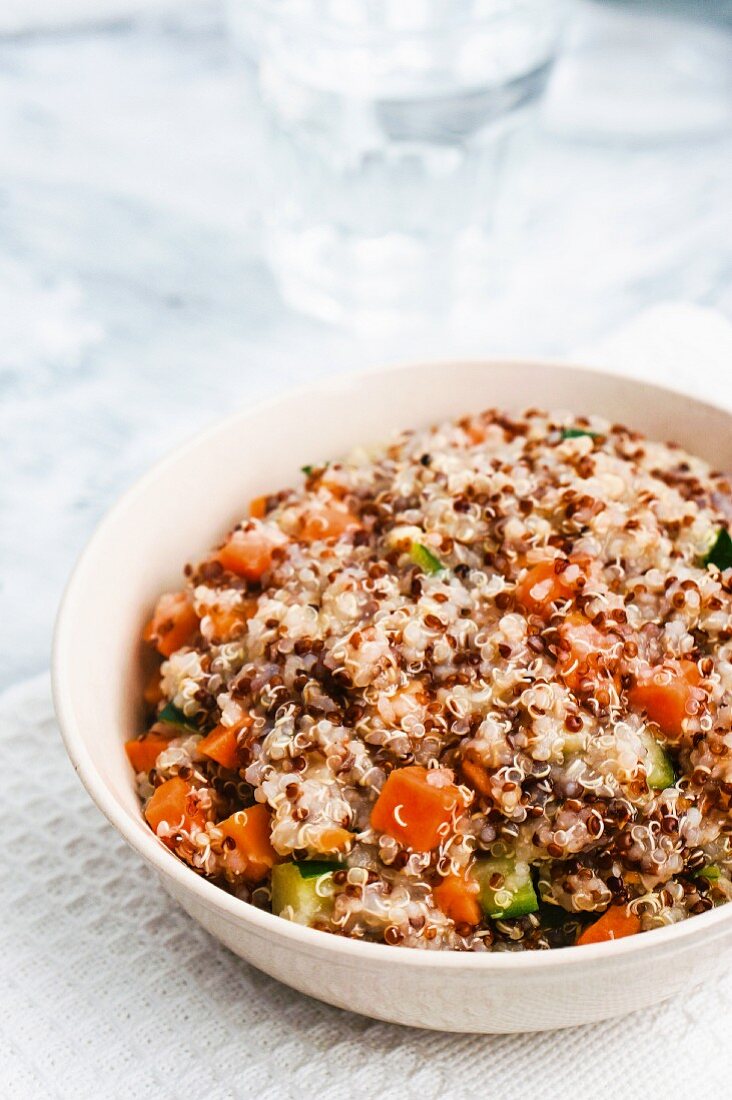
column 302, row 897
column 425, row 559
column 515, row 897
column 659, row 767
column 720, row 552
column 172, row 716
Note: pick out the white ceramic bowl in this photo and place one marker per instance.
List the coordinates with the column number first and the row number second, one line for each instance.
column 180, row 508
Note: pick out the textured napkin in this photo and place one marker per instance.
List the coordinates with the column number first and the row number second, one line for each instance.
column 108, row 990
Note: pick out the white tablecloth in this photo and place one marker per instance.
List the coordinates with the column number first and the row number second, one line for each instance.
column 108, row 990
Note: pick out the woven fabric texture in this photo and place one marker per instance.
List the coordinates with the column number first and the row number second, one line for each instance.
column 108, row 990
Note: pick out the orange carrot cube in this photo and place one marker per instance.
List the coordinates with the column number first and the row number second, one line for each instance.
column 668, row 694
column 174, row 802
column 327, row 522
column 252, row 855
column 588, row 657
column 222, row 745
column 174, row 623
column 544, row 585
column 229, row 623
column 615, row 923
column 143, row 754
column 476, row 776
column 414, row 810
column 247, row 553
column 457, row 897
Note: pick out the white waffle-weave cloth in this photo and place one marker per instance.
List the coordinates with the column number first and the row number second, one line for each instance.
column 108, row 990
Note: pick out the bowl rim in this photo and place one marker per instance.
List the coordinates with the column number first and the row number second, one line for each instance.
column 213, row 897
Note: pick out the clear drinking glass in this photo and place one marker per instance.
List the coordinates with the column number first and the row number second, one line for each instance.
column 386, row 124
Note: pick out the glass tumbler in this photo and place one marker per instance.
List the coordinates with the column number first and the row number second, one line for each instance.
column 385, row 125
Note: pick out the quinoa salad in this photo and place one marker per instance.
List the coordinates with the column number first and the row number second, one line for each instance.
column 470, row 690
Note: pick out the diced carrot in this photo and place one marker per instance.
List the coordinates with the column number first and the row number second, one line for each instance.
column 143, row 754
column 174, row 623
column 253, row 856
column 668, row 694
column 174, row 803
column 413, row 811
column 229, row 622
column 615, row 923
column 221, row 744
column 475, row 432
column 247, row 553
column 327, row 522
column 153, row 690
column 476, row 776
column 457, row 897
column 587, row 655
column 334, row 840
column 543, row 585
column 336, row 488
column 258, row 508
column 540, row 587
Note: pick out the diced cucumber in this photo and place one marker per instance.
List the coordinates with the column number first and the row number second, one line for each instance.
column 300, row 893
column 313, row 868
column 659, row 767
column 514, row 897
column 425, row 559
column 173, row 716
column 576, row 433
column 711, row 873
column 720, row 552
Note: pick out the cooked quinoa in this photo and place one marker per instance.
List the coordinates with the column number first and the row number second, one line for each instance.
column 470, row 690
